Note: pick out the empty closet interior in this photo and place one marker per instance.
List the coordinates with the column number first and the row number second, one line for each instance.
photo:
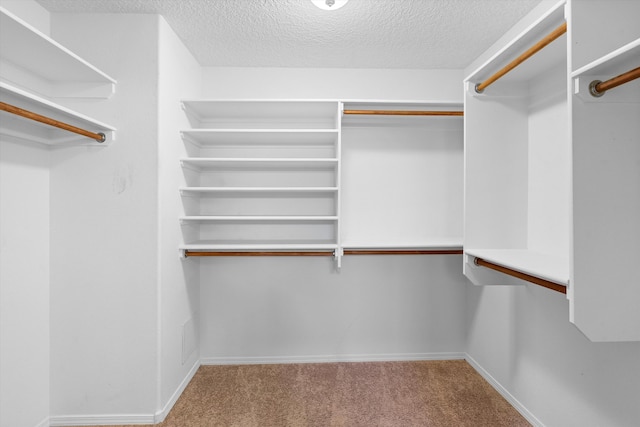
column 158, row 214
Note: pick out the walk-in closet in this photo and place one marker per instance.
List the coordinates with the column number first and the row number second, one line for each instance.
column 240, row 212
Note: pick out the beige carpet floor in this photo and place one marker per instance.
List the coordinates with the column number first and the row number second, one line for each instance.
column 423, row 393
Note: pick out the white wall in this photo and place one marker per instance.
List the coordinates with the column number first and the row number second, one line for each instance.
column 24, row 267
column 286, row 309
column 330, row 83
column 24, row 284
column 522, row 338
column 278, row 309
column 180, row 76
column 104, row 243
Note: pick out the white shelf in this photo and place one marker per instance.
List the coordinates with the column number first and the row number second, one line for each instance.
column 257, row 218
column 544, row 266
column 432, row 122
column 267, row 109
column 552, row 55
column 204, row 190
column 29, row 55
column 203, row 137
column 25, row 129
column 432, row 244
column 253, row 246
column 610, row 63
column 209, row 163
column 276, row 114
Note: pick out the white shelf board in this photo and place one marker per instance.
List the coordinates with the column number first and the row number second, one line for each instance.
column 434, row 244
column 196, row 190
column 256, row 246
column 235, row 137
column 264, row 109
column 22, row 128
column 548, row 57
column 619, row 61
column 257, row 218
column 545, row 266
column 26, row 48
column 207, row 163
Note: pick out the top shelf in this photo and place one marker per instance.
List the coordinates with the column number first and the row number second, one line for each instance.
column 549, row 57
column 377, row 119
column 30, row 58
column 623, row 59
column 262, row 114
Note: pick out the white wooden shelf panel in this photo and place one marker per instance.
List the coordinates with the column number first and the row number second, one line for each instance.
column 628, row 55
column 435, row 244
column 258, row 218
column 28, row 55
column 247, row 114
column 259, row 246
column 13, row 126
column 202, row 164
column 544, row 266
column 547, row 58
column 379, row 120
column 204, row 190
column 240, row 137
column 611, row 65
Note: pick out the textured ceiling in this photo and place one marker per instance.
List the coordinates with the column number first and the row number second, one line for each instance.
column 413, row 34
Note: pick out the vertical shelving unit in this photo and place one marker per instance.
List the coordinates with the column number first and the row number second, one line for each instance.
column 35, row 72
column 606, row 173
column 517, row 152
column 261, row 176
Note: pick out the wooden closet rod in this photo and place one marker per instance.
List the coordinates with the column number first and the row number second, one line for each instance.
column 597, row 88
column 100, row 137
column 480, row 87
column 403, row 252
column 403, row 113
column 188, row 253
column 529, row 278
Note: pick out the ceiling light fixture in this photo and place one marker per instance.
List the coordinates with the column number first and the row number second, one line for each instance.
column 329, row 4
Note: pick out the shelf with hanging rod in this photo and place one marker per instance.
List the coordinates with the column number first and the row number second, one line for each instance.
column 537, row 47
column 29, row 117
column 521, row 275
column 517, row 202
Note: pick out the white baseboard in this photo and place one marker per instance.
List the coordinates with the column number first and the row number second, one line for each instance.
column 505, row 393
column 100, row 420
column 44, row 423
column 161, row 415
column 392, row 357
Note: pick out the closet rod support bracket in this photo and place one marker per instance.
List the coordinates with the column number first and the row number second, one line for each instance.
column 593, row 89
column 476, row 88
